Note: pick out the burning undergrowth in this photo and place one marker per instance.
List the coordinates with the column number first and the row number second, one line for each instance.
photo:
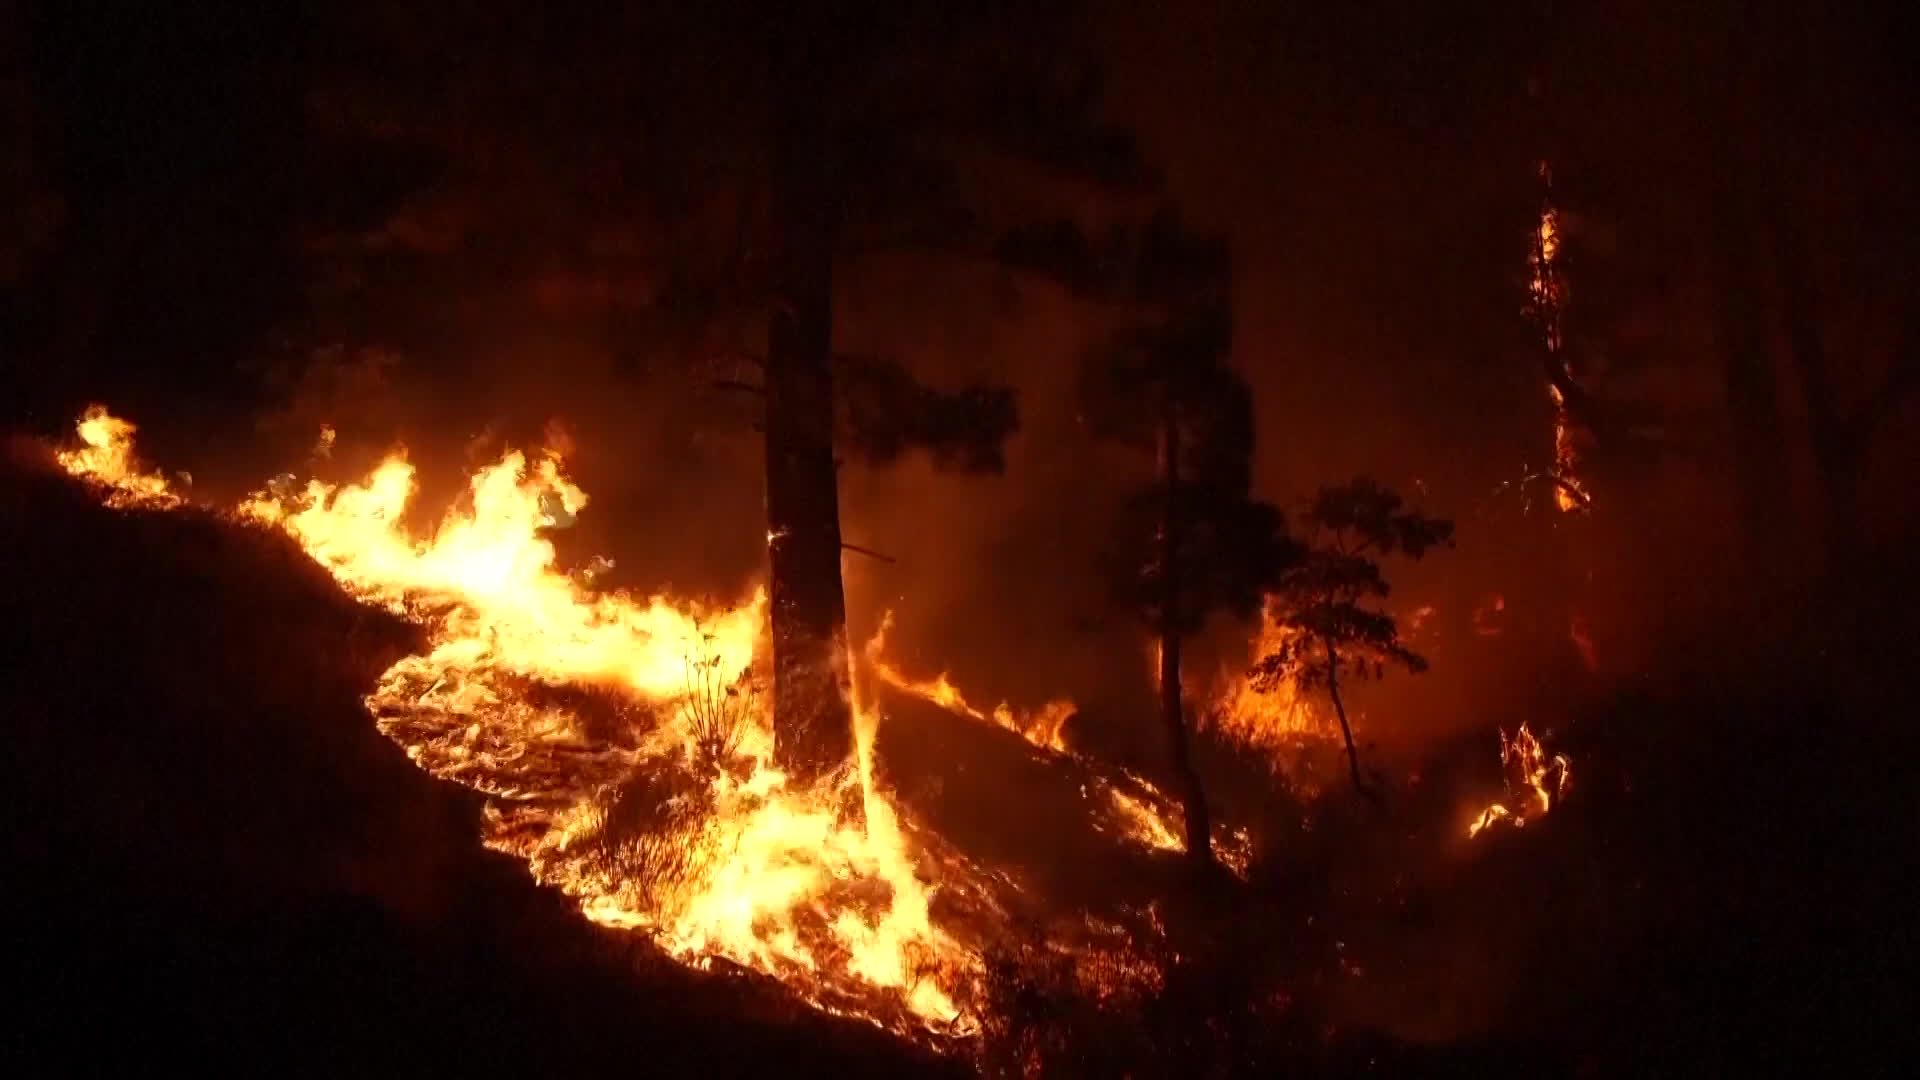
column 626, row 755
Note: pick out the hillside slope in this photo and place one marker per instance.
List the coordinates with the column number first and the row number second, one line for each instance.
column 213, row 855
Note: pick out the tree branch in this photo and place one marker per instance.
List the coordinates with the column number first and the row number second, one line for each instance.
column 868, row 552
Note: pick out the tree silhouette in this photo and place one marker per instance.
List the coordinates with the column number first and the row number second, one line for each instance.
column 1194, row 542
column 863, row 156
column 1323, row 598
column 693, row 193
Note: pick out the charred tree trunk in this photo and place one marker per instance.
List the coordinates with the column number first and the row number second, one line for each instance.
column 1199, row 828
column 1340, row 710
column 812, row 713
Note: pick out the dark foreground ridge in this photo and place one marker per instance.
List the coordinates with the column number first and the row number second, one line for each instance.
column 213, row 856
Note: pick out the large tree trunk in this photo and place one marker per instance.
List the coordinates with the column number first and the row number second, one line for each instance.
column 1199, row 828
column 812, row 714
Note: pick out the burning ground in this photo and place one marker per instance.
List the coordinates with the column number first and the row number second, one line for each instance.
column 211, row 844
column 254, row 858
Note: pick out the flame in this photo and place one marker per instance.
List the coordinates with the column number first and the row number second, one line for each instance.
column 727, row 859
column 1529, row 773
column 1044, row 727
column 1547, row 294
column 1144, row 815
column 1271, row 719
column 107, row 459
column 1145, row 824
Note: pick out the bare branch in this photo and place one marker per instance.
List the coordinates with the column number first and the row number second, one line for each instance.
column 868, row 552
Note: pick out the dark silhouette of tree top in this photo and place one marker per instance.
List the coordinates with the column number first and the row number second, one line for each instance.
column 1194, row 541
column 1324, row 596
column 885, row 412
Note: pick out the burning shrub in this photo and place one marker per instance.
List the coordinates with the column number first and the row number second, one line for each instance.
column 716, row 713
column 650, row 831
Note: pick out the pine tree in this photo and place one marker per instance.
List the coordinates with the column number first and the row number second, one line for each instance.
column 1323, row 598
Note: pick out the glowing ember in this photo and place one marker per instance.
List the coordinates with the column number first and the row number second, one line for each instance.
column 1535, row 783
column 1043, row 727
column 107, row 459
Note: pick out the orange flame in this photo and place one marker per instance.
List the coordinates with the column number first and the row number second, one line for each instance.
column 1538, row 781
column 1270, row 719
column 1044, row 727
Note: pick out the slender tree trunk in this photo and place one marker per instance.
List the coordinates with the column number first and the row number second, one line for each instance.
column 812, row 714
column 1340, row 710
column 1832, row 442
column 1753, row 404
column 1199, row 828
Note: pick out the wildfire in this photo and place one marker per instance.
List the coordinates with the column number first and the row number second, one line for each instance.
column 107, row 459
column 1270, row 719
column 1535, row 782
column 618, row 739
column 1044, row 727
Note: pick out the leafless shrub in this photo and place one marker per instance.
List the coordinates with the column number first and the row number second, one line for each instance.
column 715, row 712
column 651, row 833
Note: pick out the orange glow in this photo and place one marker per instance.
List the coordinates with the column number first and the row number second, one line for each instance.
column 1535, row 782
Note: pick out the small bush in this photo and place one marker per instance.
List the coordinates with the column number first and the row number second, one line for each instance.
column 715, row 713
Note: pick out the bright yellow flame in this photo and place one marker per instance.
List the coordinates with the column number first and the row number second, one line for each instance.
column 514, row 609
column 107, row 459
column 1537, row 781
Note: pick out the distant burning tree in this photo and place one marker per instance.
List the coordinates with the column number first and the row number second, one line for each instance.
column 1535, row 782
column 1323, row 598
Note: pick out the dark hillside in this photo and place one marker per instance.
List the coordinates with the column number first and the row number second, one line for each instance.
column 212, row 854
